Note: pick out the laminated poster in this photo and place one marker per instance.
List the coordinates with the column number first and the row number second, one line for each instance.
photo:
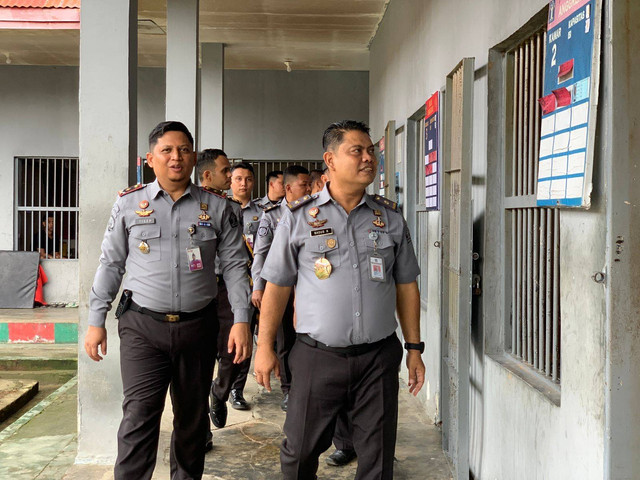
column 431, row 158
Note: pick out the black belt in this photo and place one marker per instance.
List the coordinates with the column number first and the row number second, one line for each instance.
column 171, row 317
column 349, row 351
column 220, row 280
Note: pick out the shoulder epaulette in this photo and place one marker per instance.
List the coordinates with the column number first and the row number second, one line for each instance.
column 234, row 200
column 300, row 202
column 133, row 188
column 214, row 191
column 272, row 207
column 386, row 202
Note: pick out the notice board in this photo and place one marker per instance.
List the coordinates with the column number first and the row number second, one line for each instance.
column 431, row 158
column 569, row 104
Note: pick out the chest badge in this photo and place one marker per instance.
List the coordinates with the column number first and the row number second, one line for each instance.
column 377, row 213
column 317, row 223
column 204, row 216
column 378, row 222
column 314, row 212
column 322, row 268
column 331, row 242
column 255, row 218
column 144, row 247
column 143, row 204
column 144, row 213
column 204, row 206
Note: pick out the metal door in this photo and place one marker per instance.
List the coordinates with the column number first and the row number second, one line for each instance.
column 456, row 265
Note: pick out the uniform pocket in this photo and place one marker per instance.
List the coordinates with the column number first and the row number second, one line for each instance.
column 384, row 247
column 315, row 248
column 146, row 242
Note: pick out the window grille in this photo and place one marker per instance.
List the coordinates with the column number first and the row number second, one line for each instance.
column 534, row 232
column 46, row 206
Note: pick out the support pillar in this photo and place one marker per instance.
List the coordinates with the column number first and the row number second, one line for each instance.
column 108, row 133
column 182, row 63
column 212, row 96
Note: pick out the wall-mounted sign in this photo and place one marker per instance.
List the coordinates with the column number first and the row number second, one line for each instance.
column 431, row 161
column 381, row 189
column 569, row 104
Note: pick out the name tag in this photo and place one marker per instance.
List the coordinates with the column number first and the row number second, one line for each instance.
column 204, row 224
column 144, row 221
column 322, row 231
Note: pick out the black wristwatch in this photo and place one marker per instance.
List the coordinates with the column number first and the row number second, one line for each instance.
column 414, row 346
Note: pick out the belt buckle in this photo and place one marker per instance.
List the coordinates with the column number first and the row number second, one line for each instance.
column 172, row 318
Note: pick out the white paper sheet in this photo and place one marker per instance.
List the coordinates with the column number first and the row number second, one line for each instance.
column 574, row 187
column 544, row 190
column 580, row 114
column 546, row 147
column 547, row 125
column 563, row 119
column 576, row 163
column 561, row 143
column 558, row 188
column 544, row 168
column 559, row 166
column 578, row 139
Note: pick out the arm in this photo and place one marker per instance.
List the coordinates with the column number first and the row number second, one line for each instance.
column 233, row 267
column 408, row 307
column 273, row 305
column 260, row 250
column 106, row 283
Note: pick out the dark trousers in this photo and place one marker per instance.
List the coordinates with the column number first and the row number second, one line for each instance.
column 323, row 384
column 285, row 339
column 156, row 355
column 230, row 375
column 343, row 434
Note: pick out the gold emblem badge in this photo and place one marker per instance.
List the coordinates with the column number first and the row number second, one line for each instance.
column 204, row 206
column 377, row 213
column 204, row 216
column 331, row 242
column 317, row 223
column 144, row 213
column 143, row 204
column 379, row 223
column 255, row 218
column 144, row 247
column 314, row 212
column 322, row 268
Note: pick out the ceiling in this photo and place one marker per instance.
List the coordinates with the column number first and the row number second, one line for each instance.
column 258, row 34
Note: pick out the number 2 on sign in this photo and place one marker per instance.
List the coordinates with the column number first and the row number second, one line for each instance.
column 554, row 49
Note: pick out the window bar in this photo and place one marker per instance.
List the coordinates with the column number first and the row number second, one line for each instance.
column 519, row 280
column 556, row 295
column 77, row 205
column 548, row 294
column 68, row 205
column 535, row 290
column 525, row 285
column 542, row 288
column 537, row 94
column 525, row 122
column 514, row 283
column 520, row 116
column 532, row 115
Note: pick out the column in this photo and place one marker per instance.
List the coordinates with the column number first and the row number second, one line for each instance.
column 212, row 96
column 108, row 123
column 182, row 62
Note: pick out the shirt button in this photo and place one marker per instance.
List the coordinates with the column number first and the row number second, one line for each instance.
column 351, row 244
column 177, row 294
column 357, row 289
column 175, row 235
column 321, row 248
column 144, row 234
column 357, row 314
column 355, row 265
column 175, row 265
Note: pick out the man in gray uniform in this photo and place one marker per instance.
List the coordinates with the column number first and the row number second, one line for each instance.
column 231, row 378
column 350, row 257
column 167, row 236
column 275, row 190
column 297, row 184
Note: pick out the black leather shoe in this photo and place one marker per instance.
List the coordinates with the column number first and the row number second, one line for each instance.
column 209, row 445
column 237, row 400
column 285, row 402
column 340, row 458
column 218, row 411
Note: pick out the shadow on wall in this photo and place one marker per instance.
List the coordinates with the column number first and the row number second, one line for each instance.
column 476, row 371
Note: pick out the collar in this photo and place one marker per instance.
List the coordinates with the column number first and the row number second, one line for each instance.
column 324, row 196
column 154, row 189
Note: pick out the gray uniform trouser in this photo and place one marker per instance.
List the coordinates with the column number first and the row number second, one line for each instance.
column 323, row 384
column 155, row 355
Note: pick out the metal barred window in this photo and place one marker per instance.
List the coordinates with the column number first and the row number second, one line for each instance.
column 46, row 203
column 533, row 233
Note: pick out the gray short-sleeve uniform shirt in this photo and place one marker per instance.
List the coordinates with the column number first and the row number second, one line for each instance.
column 268, row 223
column 348, row 308
column 251, row 213
column 148, row 235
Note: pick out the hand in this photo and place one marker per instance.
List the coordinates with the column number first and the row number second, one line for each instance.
column 256, row 298
column 264, row 363
column 416, row 371
column 240, row 341
column 96, row 336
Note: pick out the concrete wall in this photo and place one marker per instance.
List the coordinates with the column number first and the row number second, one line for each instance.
column 268, row 115
column 515, row 432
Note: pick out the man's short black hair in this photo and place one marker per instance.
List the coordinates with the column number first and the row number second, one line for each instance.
column 315, row 174
column 245, row 165
column 207, row 160
column 273, row 174
column 335, row 132
column 291, row 173
column 164, row 127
